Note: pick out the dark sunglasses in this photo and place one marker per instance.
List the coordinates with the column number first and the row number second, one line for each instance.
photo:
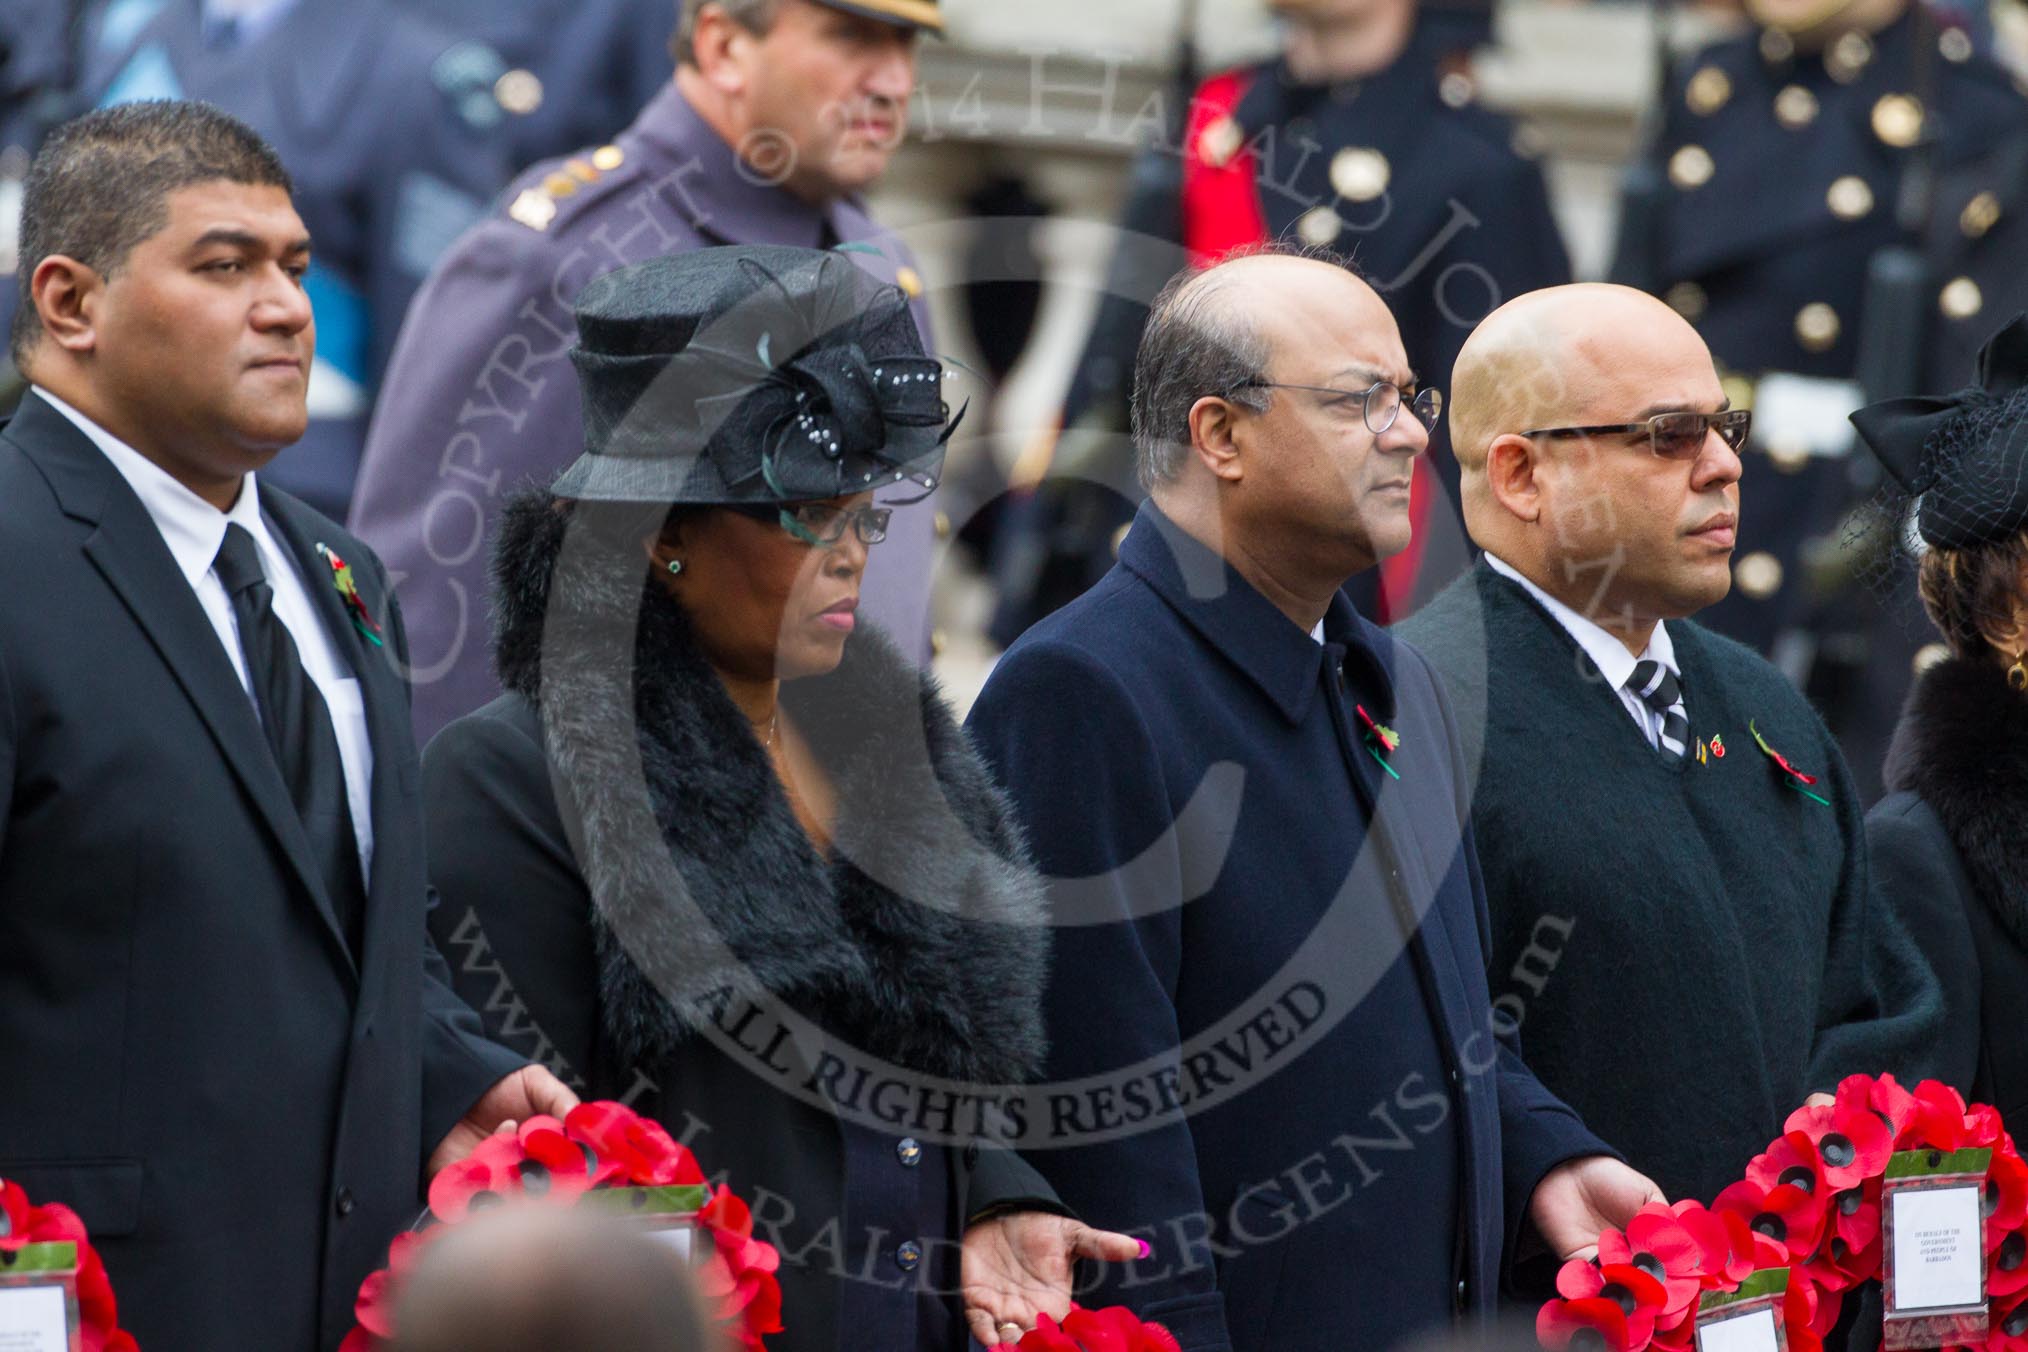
column 1672, row 436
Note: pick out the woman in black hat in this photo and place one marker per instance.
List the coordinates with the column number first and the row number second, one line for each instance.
column 1949, row 844
column 720, row 851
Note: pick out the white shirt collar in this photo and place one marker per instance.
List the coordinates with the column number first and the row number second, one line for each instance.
column 1607, row 653
column 191, row 527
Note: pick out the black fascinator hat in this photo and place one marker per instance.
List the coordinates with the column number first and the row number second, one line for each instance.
column 752, row 375
column 1963, row 457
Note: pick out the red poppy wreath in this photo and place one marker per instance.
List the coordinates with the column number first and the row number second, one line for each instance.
column 48, row 1244
column 601, row 1154
column 1805, row 1227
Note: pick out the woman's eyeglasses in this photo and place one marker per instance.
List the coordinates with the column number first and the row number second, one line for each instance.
column 1671, row 436
column 819, row 523
column 1379, row 404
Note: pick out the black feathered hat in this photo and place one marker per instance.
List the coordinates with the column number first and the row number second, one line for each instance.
column 1962, row 457
column 750, row 375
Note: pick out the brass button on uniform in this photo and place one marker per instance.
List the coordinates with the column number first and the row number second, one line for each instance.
column 1817, row 327
column 609, row 158
column 1360, row 173
column 909, row 280
column 1848, row 57
column 519, row 91
column 1795, row 107
column 1219, row 142
column 534, row 209
column 1776, row 46
column 1960, row 298
column 1981, row 214
column 559, row 185
column 1691, row 167
column 1897, row 120
column 1849, row 198
column 1319, row 226
column 581, row 170
column 1788, row 457
column 1688, row 300
column 1759, row 575
column 1708, row 91
column 1457, row 90
column 1956, row 45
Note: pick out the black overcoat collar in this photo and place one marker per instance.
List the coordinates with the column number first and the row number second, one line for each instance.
column 1245, row 627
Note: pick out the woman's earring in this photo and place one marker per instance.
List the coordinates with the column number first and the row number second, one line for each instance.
column 2017, row 675
column 675, row 567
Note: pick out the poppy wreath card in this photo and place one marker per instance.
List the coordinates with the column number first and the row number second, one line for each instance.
column 602, row 1154
column 46, row 1257
column 1850, row 1189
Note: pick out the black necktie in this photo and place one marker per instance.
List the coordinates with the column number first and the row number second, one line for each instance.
column 298, row 727
column 1658, row 688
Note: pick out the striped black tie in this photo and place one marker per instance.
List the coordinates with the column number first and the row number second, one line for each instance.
column 1659, row 689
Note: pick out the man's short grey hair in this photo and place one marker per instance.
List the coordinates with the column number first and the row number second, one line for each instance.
column 1198, row 345
column 755, row 16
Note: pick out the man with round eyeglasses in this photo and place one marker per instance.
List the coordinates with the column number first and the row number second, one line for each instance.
column 1699, row 881
column 1240, row 788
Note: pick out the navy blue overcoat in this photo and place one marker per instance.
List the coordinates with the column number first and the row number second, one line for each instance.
column 1274, row 1051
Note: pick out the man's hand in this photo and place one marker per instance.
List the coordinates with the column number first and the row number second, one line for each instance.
column 1019, row 1266
column 529, row 1092
column 1579, row 1198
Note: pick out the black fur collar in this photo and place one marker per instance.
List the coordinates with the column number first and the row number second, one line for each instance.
column 1962, row 747
column 923, row 940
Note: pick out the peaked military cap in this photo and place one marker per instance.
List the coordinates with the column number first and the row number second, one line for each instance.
column 1963, row 457
column 910, row 14
column 752, row 374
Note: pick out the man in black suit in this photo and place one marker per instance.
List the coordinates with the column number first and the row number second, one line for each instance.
column 228, row 1043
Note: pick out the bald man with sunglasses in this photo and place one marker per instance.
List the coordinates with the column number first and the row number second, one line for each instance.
column 1687, row 934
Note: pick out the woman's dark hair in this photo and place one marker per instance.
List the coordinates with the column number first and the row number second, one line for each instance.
column 1971, row 593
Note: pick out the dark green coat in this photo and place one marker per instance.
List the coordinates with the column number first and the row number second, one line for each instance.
column 1689, row 944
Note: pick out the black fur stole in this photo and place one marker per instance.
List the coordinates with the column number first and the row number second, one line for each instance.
column 1962, row 747
column 921, row 941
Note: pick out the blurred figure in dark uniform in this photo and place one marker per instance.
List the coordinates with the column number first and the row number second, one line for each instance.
column 37, row 57
column 779, row 114
column 1785, row 209
column 394, row 137
column 564, row 73
column 1364, row 136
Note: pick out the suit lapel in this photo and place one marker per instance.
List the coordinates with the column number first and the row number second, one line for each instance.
column 127, row 549
column 379, row 688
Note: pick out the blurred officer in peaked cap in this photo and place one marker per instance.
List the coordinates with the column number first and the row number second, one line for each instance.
column 1363, row 135
column 780, row 113
column 1786, row 209
column 394, row 146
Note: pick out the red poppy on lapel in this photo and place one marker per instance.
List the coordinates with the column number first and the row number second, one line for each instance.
column 1795, row 778
column 1381, row 740
column 348, row 590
